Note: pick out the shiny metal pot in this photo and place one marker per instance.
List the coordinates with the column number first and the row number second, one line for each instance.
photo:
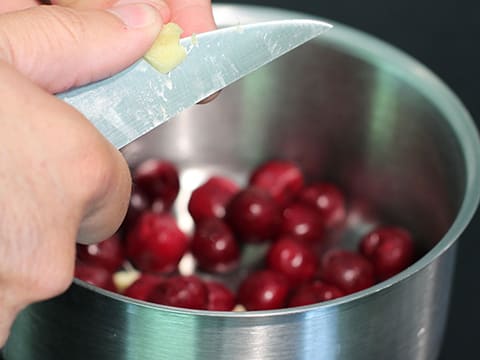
column 348, row 108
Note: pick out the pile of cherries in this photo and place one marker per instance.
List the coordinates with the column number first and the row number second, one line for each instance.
column 276, row 207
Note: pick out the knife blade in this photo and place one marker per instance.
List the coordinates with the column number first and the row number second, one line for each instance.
column 138, row 99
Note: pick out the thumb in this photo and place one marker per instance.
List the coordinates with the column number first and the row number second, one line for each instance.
column 61, row 47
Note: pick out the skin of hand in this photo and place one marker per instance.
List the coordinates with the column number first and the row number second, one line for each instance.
column 60, row 180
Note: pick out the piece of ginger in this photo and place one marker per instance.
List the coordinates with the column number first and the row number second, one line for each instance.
column 124, row 278
column 166, row 52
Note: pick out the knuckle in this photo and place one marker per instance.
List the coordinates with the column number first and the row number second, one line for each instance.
column 62, row 20
column 109, row 174
column 106, row 180
column 50, row 28
column 85, row 4
column 108, row 202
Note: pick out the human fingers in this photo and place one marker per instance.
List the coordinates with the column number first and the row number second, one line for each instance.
column 62, row 182
column 59, row 47
column 193, row 16
column 105, row 4
column 85, row 4
column 13, row 5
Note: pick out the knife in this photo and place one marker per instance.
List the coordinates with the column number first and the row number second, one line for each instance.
column 138, row 99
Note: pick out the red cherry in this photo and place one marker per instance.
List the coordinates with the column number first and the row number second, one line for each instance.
column 159, row 180
column 95, row 275
column 327, row 199
column 303, row 222
column 292, row 258
column 156, row 243
column 390, row 249
column 108, row 254
column 263, row 290
column 139, row 202
column 181, row 291
column 253, row 215
column 348, row 270
column 220, row 298
column 210, row 199
column 314, row 292
column 214, row 246
column 140, row 289
column 282, row 179
column 368, row 244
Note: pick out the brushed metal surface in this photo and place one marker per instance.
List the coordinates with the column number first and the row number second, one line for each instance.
column 138, row 99
column 374, row 327
column 350, row 109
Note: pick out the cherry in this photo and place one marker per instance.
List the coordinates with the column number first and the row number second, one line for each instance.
column 390, row 249
column 219, row 298
column 156, row 243
column 263, row 290
column 314, row 292
column 181, row 291
column 214, row 246
column 292, row 258
column 139, row 202
column 348, row 270
column 108, row 254
column 303, row 222
column 253, row 215
column 282, row 179
column 141, row 288
column 210, row 199
column 159, row 180
column 327, row 199
column 94, row 275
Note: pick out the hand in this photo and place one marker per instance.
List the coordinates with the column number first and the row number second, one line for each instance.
column 193, row 16
column 60, row 180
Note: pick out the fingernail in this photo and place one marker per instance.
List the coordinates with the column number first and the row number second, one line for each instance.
column 136, row 15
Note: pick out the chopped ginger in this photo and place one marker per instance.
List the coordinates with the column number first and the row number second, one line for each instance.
column 166, row 52
column 123, row 279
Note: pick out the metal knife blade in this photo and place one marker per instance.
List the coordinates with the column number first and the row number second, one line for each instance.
column 138, row 99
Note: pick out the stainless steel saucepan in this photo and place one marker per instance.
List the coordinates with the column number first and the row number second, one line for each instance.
column 348, row 108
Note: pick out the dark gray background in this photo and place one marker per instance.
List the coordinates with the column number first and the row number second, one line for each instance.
column 445, row 36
